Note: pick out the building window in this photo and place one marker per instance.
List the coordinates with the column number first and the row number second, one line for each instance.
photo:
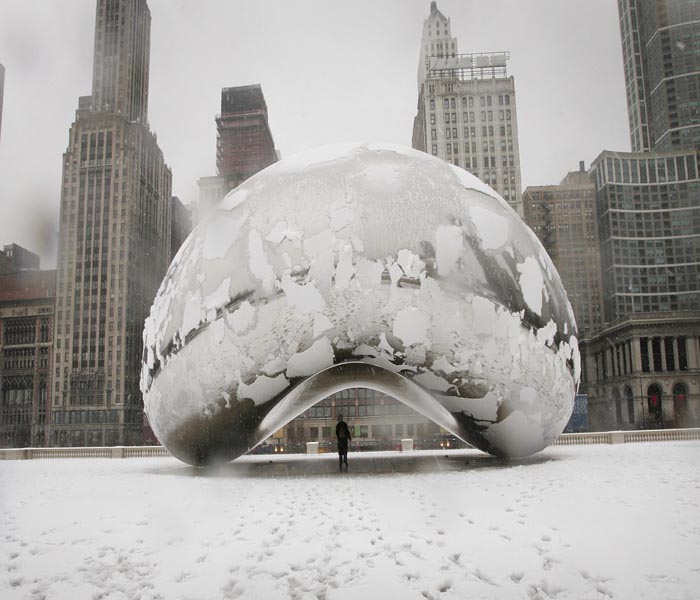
column 656, row 353
column 682, row 354
column 668, row 348
column 654, row 399
column 434, row 149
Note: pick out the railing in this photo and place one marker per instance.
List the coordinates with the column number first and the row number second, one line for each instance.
column 92, row 452
column 626, row 437
column 566, row 439
column 576, row 439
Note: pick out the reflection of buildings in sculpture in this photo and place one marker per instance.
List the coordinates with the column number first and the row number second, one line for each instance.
column 563, row 218
column 114, row 243
column 466, row 110
column 649, row 223
column 244, row 143
column 27, row 299
column 377, row 422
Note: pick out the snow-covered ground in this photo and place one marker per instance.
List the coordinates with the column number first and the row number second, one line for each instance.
column 571, row 523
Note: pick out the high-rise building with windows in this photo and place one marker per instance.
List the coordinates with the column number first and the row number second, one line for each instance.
column 114, row 244
column 661, row 53
column 466, row 109
column 564, row 219
column 649, row 221
column 244, row 143
column 643, row 367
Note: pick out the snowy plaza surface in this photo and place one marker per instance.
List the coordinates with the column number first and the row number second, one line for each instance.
column 573, row 522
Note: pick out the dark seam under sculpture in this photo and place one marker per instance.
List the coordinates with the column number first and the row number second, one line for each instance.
column 360, row 266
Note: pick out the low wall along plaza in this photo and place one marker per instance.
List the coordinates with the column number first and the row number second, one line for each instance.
column 566, row 439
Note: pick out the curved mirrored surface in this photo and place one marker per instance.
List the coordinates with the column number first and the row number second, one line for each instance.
column 360, row 265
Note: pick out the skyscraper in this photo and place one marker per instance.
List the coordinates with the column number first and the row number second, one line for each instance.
column 244, row 143
column 649, row 221
column 466, row 109
column 563, row 218
column 114, row 243
column 661, row 53
column 642, row 368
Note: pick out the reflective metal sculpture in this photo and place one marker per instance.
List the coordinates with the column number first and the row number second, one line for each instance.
column 360, row 266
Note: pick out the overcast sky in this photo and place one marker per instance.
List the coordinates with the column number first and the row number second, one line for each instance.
column 331, row 71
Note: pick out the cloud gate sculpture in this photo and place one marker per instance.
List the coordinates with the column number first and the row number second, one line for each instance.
column 360, row 266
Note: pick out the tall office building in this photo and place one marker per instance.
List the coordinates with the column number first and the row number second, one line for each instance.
column 2, row 93
column 661, row 53
column 643, row 367
column 563, row 218
column 649, row 221
column 244, row 143
column 114, row 243
column 466, row 109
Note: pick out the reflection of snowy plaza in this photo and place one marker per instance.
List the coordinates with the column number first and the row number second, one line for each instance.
column 585, row 522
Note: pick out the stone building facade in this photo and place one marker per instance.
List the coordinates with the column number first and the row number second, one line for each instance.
column 643, row 372
column 466, row 110
column 114, row 244
column 26, row 356
column 564, row 219
column 244, row 143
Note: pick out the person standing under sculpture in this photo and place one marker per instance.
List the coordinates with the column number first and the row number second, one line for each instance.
column 342, row 433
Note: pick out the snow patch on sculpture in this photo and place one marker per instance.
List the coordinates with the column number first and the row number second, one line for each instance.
column 313, row 360
column 532, row 284
column 412, row 325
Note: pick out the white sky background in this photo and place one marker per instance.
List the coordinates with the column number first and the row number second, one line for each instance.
column 331, row 71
